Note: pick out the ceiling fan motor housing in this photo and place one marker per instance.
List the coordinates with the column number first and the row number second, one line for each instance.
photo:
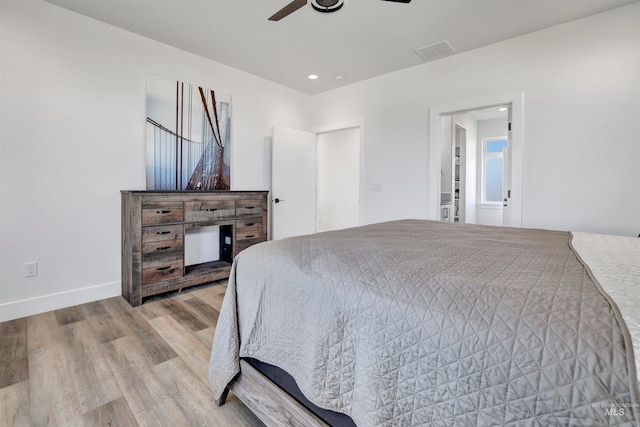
column 327, row 6
column 323, row 6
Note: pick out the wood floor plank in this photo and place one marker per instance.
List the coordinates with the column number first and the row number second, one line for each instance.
column 15, row 408
column 146, row 396
column 205, row 336
column 152, row 309
column 123, row 316
column 212, row 296
column 14, row 364
column 129, row 320
column 42, row 331
column 203, row 311
column 105, row 325
column 188, row 347
column 156, row 350
column 14, row 371
column 93, row 379
column 68, row 315
column 181, row 312
column 12, row 327
column 53, row 400
column 114, row 413
column 190, row 394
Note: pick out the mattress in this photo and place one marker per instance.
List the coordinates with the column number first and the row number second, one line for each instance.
column 420, row 322
column 614, row 262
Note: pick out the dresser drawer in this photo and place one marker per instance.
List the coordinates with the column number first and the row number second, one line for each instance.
column 247, row 229
column 249, row 207
column 161, row 251
column 162, row 212
column 162, row 232
column 207, row 210
column 161, row 272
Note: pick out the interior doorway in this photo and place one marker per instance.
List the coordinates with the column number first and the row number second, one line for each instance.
column 317, row 179
column 452, row 170
column 460, row 165
column 478, row 148
column 338, row 185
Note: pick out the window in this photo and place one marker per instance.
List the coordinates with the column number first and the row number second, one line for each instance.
column 492, row 169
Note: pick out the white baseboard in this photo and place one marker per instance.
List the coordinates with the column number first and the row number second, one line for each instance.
column 41, row 304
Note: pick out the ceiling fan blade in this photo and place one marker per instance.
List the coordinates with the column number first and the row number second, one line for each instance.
column 288, row 9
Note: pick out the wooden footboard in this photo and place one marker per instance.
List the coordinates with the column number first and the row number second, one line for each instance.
column 272, row 405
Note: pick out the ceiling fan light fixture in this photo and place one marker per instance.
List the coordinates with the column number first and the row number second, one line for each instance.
column 327, row 6
column 322, row 6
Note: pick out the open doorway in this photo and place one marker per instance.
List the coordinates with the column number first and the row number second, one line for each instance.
column 316, row 179
column 473, row 144
column 338, row 182
column 477, row 181
column 453, row 170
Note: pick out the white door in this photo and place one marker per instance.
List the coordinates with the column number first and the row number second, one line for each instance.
column 293, row 182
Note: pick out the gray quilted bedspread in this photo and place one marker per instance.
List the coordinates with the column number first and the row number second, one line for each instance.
column 414, row 322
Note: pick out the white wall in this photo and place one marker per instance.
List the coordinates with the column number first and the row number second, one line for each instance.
column 72, row 136
column 581, row 122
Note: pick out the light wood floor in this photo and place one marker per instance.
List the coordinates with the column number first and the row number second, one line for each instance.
column 107, row 364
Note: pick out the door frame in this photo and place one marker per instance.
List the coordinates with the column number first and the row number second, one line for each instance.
column 352, row 124
column 516, row 100
column 462, row 172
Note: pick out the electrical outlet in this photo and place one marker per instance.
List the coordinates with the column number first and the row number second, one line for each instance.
column 31, row 269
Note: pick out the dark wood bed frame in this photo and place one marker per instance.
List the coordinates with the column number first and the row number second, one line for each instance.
column 272, row 405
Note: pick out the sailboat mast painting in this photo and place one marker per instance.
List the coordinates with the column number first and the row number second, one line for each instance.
column 188, row 135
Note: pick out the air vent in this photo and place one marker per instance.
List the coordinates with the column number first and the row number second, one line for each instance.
column 435, row 51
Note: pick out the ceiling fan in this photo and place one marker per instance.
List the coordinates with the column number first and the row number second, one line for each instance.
column 325, row 6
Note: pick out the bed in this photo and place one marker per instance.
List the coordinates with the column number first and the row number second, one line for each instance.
column 419, row 322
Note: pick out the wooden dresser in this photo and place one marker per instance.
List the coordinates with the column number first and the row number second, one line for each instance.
column 154, row 226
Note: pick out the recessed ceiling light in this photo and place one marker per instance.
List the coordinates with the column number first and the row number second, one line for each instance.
column 338, row 77
column 312, row 77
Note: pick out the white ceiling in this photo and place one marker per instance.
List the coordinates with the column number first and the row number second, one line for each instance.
column 365, row 39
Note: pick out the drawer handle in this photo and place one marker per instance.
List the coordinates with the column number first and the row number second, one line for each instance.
column 250, row 224
column 249, row 207
column 163, row 268
column 163, row 212
column 162, row 232
column 211, row 209
column 249, row 236
column 163, row 248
